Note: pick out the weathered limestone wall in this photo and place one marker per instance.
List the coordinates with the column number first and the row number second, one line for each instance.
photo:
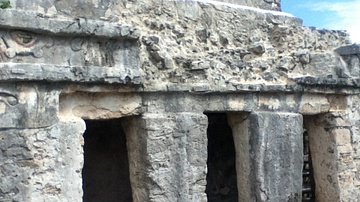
column 160, row 65
column 214, row 47
column 41, row 164
column 350, row 156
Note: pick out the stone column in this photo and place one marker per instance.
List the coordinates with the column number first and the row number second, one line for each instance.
column 330, row 139
column 167, row 156
column 269, row 155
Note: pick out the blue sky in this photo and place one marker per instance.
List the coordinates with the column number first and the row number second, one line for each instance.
column 329, row 14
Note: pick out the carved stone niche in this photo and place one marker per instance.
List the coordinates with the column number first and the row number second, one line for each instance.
column 68, row 50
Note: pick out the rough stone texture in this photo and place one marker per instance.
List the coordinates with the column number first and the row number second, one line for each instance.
column 212, row 45
column 269, row 156
column 162, row 65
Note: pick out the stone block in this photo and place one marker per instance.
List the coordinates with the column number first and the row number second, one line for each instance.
column 314, row 104
column 346, row 149
column 342, row 136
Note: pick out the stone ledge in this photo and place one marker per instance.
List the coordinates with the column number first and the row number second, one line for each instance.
column 58, row 73
column 309, row 86
column 38, row 22
column 332, row 82
column 235, row 87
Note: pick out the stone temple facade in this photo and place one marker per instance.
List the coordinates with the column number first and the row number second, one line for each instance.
column 175, row 101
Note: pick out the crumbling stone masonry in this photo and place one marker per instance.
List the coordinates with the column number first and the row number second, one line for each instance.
column 164, row 101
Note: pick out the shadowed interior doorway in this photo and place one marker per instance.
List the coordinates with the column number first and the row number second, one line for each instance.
column 106, row 168
column 221, row 176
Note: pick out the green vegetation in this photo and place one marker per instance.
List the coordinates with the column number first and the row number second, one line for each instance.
column 5, row 4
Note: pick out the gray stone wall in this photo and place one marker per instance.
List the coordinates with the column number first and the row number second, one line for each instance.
column 160, row 66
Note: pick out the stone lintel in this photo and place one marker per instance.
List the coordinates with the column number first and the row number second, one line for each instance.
column 97, row 106
column 269, row 155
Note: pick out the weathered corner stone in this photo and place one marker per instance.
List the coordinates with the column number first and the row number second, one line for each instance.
column 23, row 106
column 269, row 156
column 348, row 50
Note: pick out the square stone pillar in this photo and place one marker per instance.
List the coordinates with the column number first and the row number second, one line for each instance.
column 269, row 155
column 167, row 156
column 330, row 140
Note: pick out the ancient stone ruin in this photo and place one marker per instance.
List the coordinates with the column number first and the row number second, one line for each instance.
column 175, row 101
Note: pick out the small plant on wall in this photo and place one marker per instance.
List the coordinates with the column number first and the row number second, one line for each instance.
column 5, row 4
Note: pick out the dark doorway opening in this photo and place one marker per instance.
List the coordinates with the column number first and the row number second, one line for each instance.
column 106, row 166
column 308, row 187
column 221, row 177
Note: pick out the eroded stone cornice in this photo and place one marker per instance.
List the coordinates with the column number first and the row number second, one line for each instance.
column 58, row 73
column 37, row 22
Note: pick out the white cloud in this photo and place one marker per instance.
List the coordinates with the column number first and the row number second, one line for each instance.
column 346, row 16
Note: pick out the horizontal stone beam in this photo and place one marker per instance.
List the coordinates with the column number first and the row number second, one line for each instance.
column 58, row 73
